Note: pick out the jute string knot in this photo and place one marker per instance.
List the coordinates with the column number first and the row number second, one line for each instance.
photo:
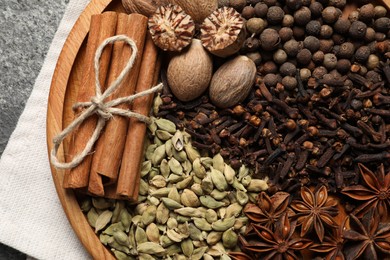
column 98, row 106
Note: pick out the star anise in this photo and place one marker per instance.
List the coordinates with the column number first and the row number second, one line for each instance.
column 332, row 245
column 367, row 237
column 275, row 245
column 268, row 210
column 314, row 211
column 239, row 256
column 375, row 192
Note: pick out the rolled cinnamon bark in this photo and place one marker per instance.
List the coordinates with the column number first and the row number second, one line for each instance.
column 109, row 148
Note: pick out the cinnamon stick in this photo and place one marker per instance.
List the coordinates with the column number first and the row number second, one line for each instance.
column 128, row 181
column 109, row 148
column 102, row 26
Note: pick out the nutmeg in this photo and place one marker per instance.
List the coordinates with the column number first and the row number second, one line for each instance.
column 145, row 7
column 232, row 82
column 189, row 73
column 199, row 9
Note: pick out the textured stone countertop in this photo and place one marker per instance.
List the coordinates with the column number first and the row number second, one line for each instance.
column 26, row 31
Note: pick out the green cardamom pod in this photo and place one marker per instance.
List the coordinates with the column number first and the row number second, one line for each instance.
column 92, row 216
column 158, row 155
column 102, row 203
column 211, row 216
column 174, row 195
column 210, row 202
column 166, row 125
column 125, row 218
column 174, row 236
column 157, row 102
column 184, row 183
column 150, row 248
column 229, row 173
column 192, row 153
column 213, row 237
column 162, row 192
column 207, row 162
column 246, row 180
column 119, row 247
column 202, row 224
column 153, row 233
column 177, row 141
column 171, row 204
column 257, row 185
column 164, row 168
column 165, row 241
column 195, row 233
column 238, row 186
column 163, row 135
column 119, row 205
column 111, row 229
column 175, row 166
column 207, row 184
column 242, row 172
column 122, row 256
column 143, row 187
column 218, row 195
column 218, row 162
column 189, row 198
column 103, row 220
column 149, row 215
column 229, row 238
column 145, row 168
column 198, row 169
column 158, row 181
column 242, row 197
column 105, row 239
column 233, row 210
column 169, row 148
column 187, row 247
column 223, row 224
column 140, row 235
column 121, row 238
column 187, row 167
column 197, row 189
column 162, row 214
column 150, row 151
column 199, row 253
column 172, row 250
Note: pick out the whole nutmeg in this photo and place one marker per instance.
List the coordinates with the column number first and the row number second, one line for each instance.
column 232, row 82
column 145, row 7
column 189, row 73
column 198, row 10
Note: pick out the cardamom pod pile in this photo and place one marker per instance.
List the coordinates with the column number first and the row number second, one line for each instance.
column 189, row 207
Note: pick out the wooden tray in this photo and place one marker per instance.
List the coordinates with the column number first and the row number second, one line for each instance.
column 59, row 114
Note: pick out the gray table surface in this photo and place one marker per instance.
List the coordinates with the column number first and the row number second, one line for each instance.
column 27, row 28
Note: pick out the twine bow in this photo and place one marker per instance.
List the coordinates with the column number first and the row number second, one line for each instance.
column 98, row 106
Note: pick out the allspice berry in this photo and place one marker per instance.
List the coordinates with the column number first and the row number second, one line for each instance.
column 269, row 39
column 288, row 20
column 269, row 67
column 316, row 9
column 382, row 24
column 261, row 10
column 343, row 66
column 255, row 57
column 357, row 30
column 289, row 82
column 313, row 28
column 305, row 74
column 255, row 25
column 319, row 72
column 304, row 57
column 379, row 11
column 298, row 32
column 338, row 39
column 362, row 53
column 270, row 80
column 326, row 45
column 330, row 61
column 275, row 15
column 342, row 25
column 326, row 31
column 346, row 50
column 370, row 35
column 372, row 62
column 330, row 14
column 251, row 44
column 294, row 4
column 288, row 69
column 366, row 12
column 318, row 57
column 285, row 34
column 312, row 43
column 248, row 12
column 302, row 16
column 280, row 56
column 237, row 4
column 291, row 47
column 353, row 16
column 338, row 3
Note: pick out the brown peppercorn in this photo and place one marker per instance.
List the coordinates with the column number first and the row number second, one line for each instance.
column 382, row 24
column 304, row 57
column 353, row 16
column 330, row 14
column 302, row 16
column 366, row 12
column 330, row 61
column 346, row 50
column 285, row 34
column 319, row 72
column 255, row 25
column 289, row 82
column 338, row 3
column 338, row 39
column 248, row 12
column 261, row 10
column 357, row 30
column 269, row 39
column 298, row 32
column 342, row 25
column 270, row 2
column 294, row 4
column 270, row 80
column 370, row 35
column 316, row 9
column 288, row 69
column 275, row 15
column 343, row 66
column 288, row 20
column 251, row 44
column 379, row 11
column 269, row 67
column 237, row 4
column 312, row 43
column 361, row 54
column 326, row 45
column 313, row 28
column 280, row 56
column 255, row 57
column 291, row 47
column 326, row 31
column 318, row 57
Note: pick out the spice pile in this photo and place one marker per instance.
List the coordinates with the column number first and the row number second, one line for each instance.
column 271, row 137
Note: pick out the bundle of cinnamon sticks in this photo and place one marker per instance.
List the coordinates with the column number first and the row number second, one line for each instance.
column 112, row 170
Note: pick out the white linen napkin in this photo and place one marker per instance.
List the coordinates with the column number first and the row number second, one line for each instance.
column 31, row 217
